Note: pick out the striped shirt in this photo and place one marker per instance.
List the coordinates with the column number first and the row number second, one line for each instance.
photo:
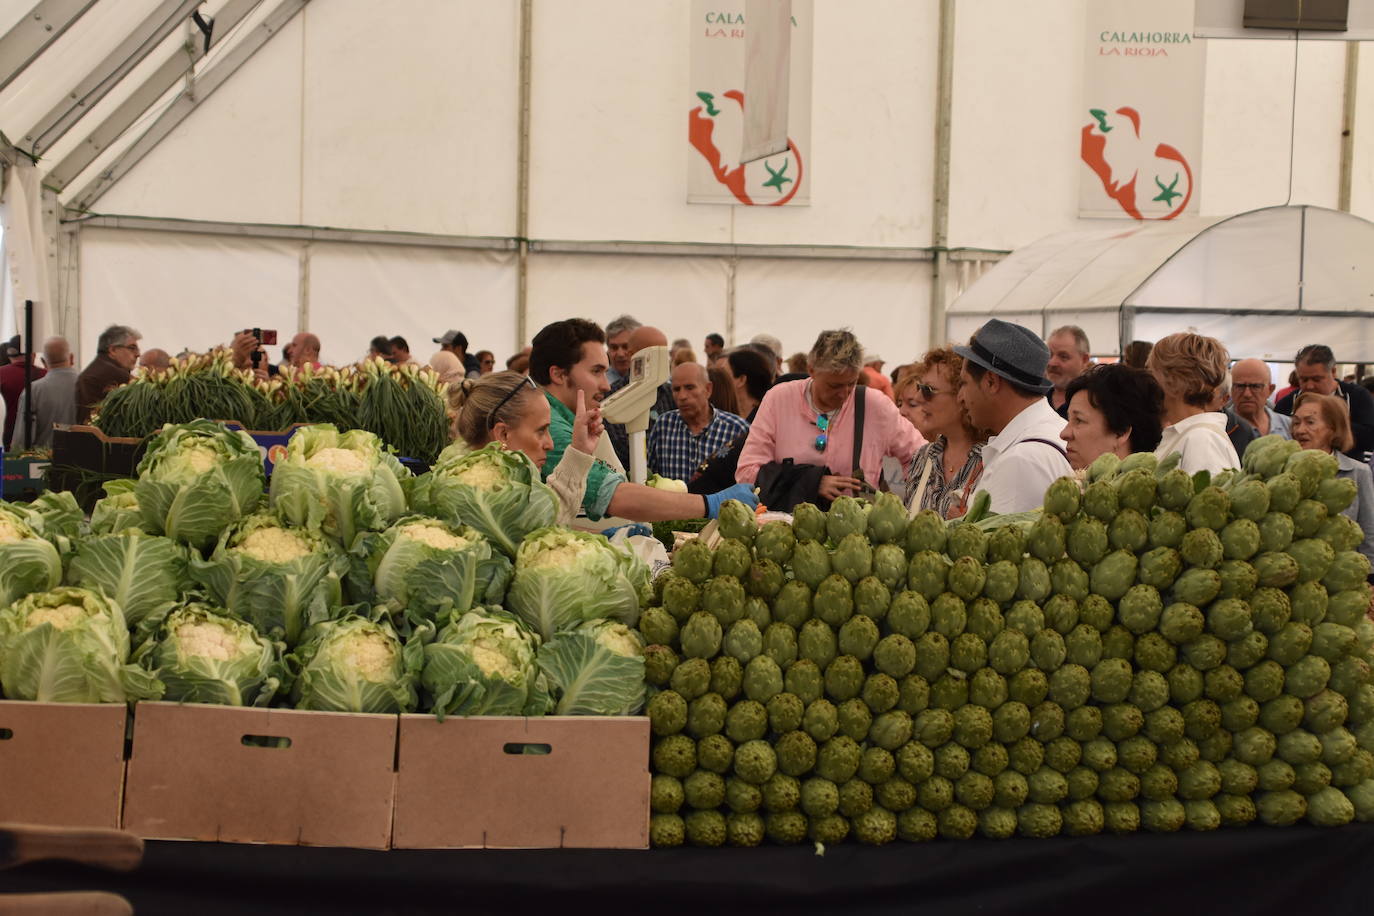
column 941, row 495
column 676, row 452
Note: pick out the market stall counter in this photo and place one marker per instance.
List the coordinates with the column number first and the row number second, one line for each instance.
column 1254, row 870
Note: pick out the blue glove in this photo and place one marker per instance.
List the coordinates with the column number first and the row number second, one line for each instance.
column 741, row 491
column 630, row 530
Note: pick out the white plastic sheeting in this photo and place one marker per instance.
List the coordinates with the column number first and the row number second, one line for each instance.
column 194, row 291
column 885, row 303
column 682, row 296
column 359, row 291
column 1251, row 280
column 184, row 291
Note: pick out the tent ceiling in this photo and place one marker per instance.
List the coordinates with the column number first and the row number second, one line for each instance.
column 1292, row 261
column 155, row 63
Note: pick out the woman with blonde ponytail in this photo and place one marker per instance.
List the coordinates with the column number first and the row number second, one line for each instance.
column 507, row 407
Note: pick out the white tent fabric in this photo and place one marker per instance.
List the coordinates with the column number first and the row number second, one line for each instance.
column 25, row 250
column 1258, row 281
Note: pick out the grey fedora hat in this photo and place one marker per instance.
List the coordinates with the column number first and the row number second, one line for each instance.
column 1012, row 352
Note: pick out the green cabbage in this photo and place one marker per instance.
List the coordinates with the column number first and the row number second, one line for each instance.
column 483, row 664
column 118, row 509
column 353, row 664
column 69, row 645
column 424, row 569
column 563, row 577
column 279, row 579
column 340, row 483
column 55, row 515
column 595, row 669
column 143, row 573
column 496, row 490
column 204, row 656
column 197, row 479
column 28, row 563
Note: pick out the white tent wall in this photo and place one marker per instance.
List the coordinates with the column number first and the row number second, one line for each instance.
column 404, row 117
column 683, row 296
column 355, row 292
column 609, row 150
column 339, row 120
column 237, row 159
column 1248, row 113
column 193, row 291
column 1017, row 111
column 184, row 291
column 886, row 303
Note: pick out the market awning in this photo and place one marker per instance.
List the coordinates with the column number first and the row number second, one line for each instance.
column 1263, row 282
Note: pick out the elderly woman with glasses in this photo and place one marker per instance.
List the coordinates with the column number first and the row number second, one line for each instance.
column 944, row 473
column 507, row 407
column 812, row 421
column 1322, row 422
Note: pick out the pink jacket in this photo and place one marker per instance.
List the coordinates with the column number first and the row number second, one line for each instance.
column 785, row 427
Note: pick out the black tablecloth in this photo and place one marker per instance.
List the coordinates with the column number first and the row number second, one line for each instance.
column 1289, row 871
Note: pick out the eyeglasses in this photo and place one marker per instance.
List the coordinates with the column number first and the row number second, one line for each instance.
column 1248, row 386
column 823, row 424
column 928, row 392
column 491, row 417
column 133, row 347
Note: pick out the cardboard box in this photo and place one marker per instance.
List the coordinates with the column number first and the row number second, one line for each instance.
column 467, row 783
column 62, row 764
column 24, row 477
column 201, row 772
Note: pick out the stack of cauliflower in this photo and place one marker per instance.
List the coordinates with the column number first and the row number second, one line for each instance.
column 1152, row 651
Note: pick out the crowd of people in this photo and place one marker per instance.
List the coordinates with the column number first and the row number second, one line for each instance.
column 1006, row 414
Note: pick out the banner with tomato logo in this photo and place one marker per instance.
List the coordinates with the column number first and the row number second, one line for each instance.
column 722, row 74
column 1140, row 128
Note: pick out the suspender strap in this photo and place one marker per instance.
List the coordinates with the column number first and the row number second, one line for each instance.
column 1054, row 445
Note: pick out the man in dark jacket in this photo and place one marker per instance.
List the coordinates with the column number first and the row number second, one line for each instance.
column 1316, row 370
column 117, row 354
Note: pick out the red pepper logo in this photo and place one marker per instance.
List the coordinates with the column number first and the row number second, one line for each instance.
column 715, row 128
column 1112, row 147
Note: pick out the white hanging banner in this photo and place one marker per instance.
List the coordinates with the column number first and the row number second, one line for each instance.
column 26, row 248
column 758, row 159
column 1141, row 133
column 767, row 72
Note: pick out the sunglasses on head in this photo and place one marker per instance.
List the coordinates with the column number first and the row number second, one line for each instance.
column 491, row 417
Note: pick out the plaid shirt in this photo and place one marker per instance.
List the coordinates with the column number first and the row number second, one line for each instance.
column 675, row 452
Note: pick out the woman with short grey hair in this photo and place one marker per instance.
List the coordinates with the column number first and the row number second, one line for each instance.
column 836, row 351
column 801, row 446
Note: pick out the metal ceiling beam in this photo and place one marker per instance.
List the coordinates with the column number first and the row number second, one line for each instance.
column 129, row 54
column 40, row 27
column 202, row 86
column 154, row 87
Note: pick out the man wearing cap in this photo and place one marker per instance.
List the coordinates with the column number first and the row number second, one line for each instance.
column 1003, row 388
column 456, row 342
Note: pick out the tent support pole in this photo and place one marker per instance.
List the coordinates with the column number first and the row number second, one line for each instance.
column 522, row 191
column 944, row 107
column 1352, row 79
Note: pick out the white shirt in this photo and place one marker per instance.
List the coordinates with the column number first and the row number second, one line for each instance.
column 1202, row 441
column 1016, row 473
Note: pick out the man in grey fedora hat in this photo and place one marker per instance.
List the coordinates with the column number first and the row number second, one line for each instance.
column 1003, row 387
